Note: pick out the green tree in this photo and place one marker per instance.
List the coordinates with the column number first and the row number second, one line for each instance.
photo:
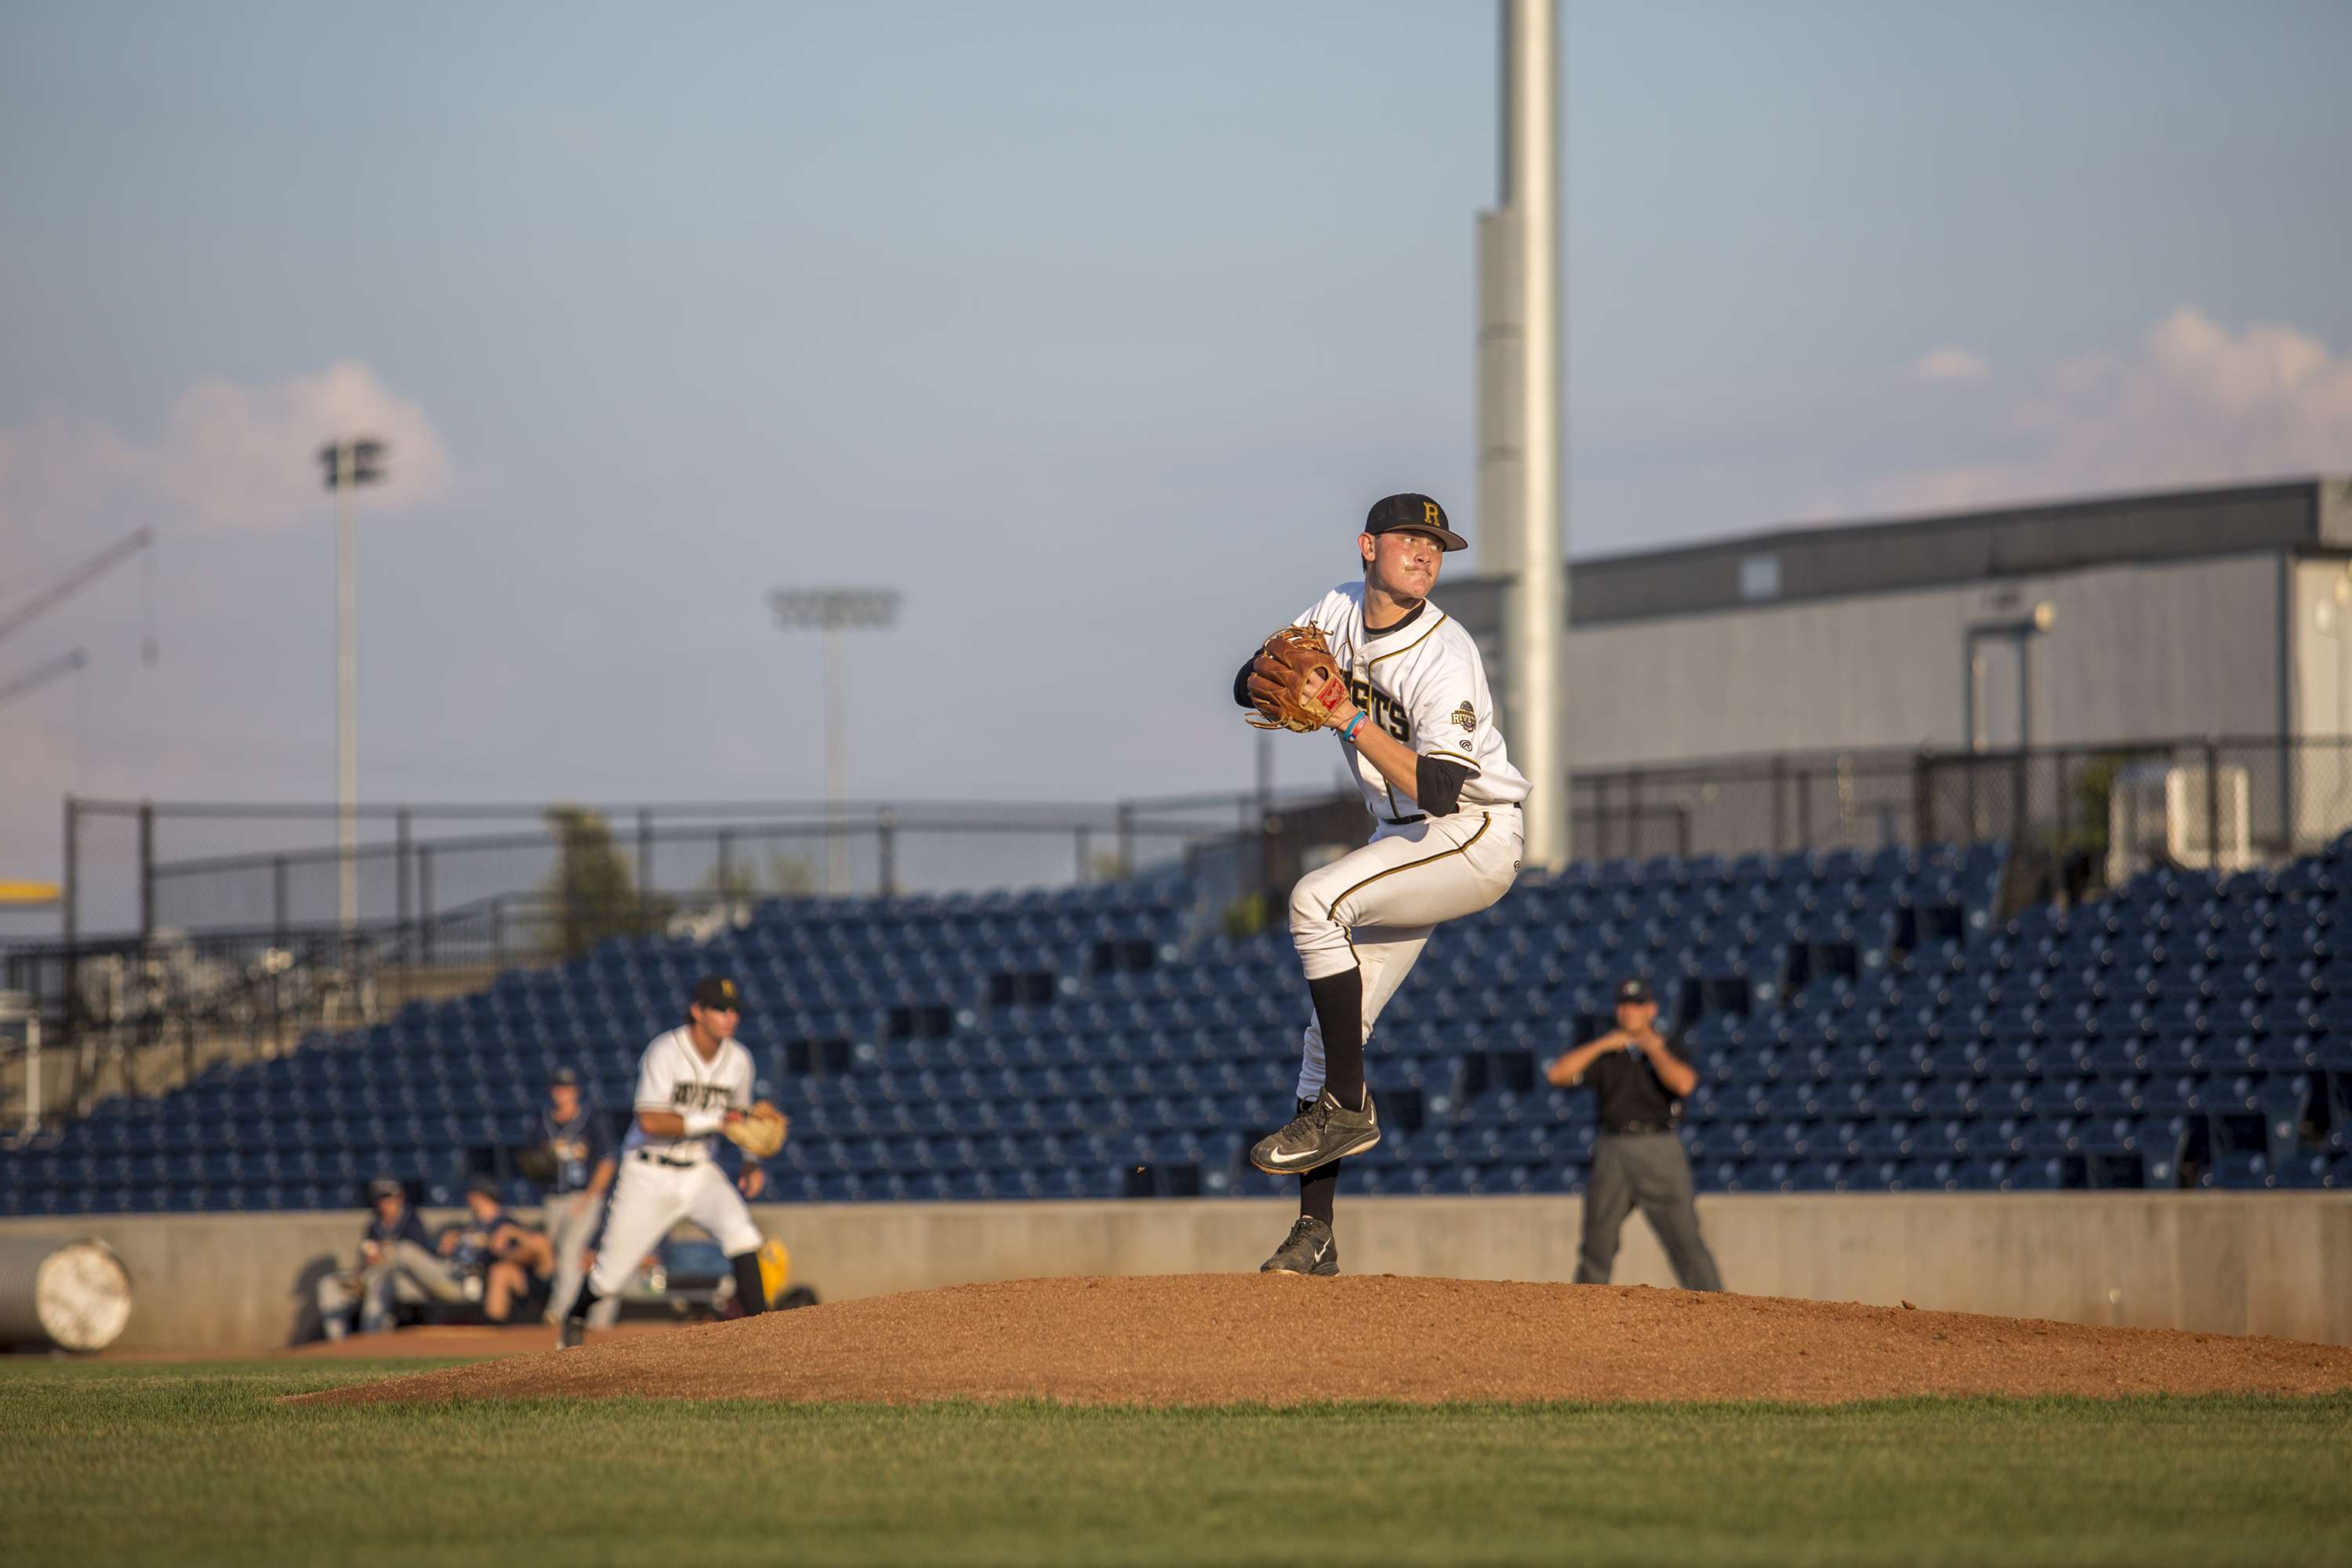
column 792, row 875
column 592, row 892
column 737, row 880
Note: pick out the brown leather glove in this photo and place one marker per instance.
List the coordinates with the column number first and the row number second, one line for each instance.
column 1294, row 682
column 759, row 1132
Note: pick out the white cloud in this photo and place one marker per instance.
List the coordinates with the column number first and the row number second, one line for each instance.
column 2191, row 403
column 230, row 455
column 1949, row 364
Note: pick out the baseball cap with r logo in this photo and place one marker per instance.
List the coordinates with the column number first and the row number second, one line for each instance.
column 1412, row 513
column 717, row 991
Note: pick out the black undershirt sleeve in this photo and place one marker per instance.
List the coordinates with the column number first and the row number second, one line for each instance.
column 1241, row 682
column 1437, row 784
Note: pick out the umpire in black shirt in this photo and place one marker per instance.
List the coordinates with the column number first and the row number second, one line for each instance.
column 1637, row 1158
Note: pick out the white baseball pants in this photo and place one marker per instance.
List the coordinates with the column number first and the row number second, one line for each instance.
column 650, row 1197
column 1373, row 910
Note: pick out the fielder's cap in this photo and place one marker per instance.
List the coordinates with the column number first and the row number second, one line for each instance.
column 384, row 1187
column 717, row 991
column 1634, row 993
column 486, row 1186
column 1413, row 514
column 563, row 1078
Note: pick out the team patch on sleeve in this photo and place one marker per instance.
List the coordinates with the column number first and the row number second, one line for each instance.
column 1467, row 717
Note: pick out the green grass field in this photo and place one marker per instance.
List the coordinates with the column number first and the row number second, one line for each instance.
column 199, row 1464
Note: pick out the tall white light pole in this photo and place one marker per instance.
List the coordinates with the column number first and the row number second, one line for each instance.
column 348, row 465
column 1519, row 419
column 833, row 611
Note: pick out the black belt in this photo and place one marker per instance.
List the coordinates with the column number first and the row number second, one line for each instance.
column 1406, row 821
column 650, row 1158
column 1636, row 1128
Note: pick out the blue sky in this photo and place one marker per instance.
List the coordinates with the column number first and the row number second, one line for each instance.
column 1092, row 327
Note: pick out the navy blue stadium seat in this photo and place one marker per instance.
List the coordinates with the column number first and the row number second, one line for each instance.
column 1859, row 1019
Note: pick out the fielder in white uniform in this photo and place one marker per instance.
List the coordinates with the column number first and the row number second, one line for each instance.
column 691, row 1082
column 1418, row 731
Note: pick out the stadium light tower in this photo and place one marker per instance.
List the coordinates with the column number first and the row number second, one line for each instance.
column 348, row 465
column 1522, row 514
column 833, row 611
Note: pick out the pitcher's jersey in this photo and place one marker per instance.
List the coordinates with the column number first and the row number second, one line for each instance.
column 673, row 1076
column 1424, row 684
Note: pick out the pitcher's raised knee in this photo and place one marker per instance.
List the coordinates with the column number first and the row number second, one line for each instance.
column 1321, row 941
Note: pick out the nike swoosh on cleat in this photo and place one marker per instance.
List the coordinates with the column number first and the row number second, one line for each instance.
column 1279, row 1158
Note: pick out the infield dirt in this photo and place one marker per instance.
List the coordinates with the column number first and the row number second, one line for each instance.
column 1216, row 1339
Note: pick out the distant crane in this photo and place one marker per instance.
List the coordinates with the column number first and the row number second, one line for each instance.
column 56, row 593
column 75, row 580
column 32, row 679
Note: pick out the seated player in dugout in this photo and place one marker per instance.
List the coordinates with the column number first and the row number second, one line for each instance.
column 1416, row 729
column 501, row 1261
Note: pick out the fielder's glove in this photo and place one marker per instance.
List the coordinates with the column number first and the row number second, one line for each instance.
column 1294, row 683
column 536, row 1165
column 759, row 1132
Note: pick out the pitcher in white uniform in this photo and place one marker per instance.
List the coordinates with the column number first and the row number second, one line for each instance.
column 1418, row 734
column 691, row 1082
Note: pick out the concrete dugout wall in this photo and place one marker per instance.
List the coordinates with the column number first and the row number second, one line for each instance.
column 2267, row 1263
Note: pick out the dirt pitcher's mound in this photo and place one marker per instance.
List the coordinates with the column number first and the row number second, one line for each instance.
column 1206, row 1339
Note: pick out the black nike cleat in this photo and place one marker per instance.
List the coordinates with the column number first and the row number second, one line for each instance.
column 1322, row 1132
column 1311, row 1248
column 569, row 1336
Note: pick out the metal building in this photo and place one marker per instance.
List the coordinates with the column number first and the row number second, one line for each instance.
column 2074, row 625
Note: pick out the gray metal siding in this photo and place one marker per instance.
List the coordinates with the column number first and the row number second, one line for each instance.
column 2179, row 648
column 1941, row 552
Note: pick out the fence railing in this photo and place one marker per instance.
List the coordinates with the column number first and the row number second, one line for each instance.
column 147, row 866
column 2251, row 798
column 141, row 867
column 136, row 1014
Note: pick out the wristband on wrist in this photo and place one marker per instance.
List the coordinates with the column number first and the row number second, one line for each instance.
column 1354, row 724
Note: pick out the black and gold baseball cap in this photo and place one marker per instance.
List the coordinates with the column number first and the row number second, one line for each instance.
column 717, row 991
column 1412, row 513
column 1634, row 993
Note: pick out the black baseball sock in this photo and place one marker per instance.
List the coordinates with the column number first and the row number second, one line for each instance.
column 1339, row 1012
column 751, row 1290
column 1319, row 1189
column 578, row 1311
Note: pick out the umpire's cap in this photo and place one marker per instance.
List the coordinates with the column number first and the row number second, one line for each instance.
column 717, row 991
column 1634, row 993
column 1412, row 513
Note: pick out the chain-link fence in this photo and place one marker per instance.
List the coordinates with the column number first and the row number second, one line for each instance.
column 2074, row 816
column 221, row 926
column 199, row 869
column 1774, row 804
column 279, row 869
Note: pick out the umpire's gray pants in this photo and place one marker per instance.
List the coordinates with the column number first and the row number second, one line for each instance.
column 568, row 1233
column 1647, row 1169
